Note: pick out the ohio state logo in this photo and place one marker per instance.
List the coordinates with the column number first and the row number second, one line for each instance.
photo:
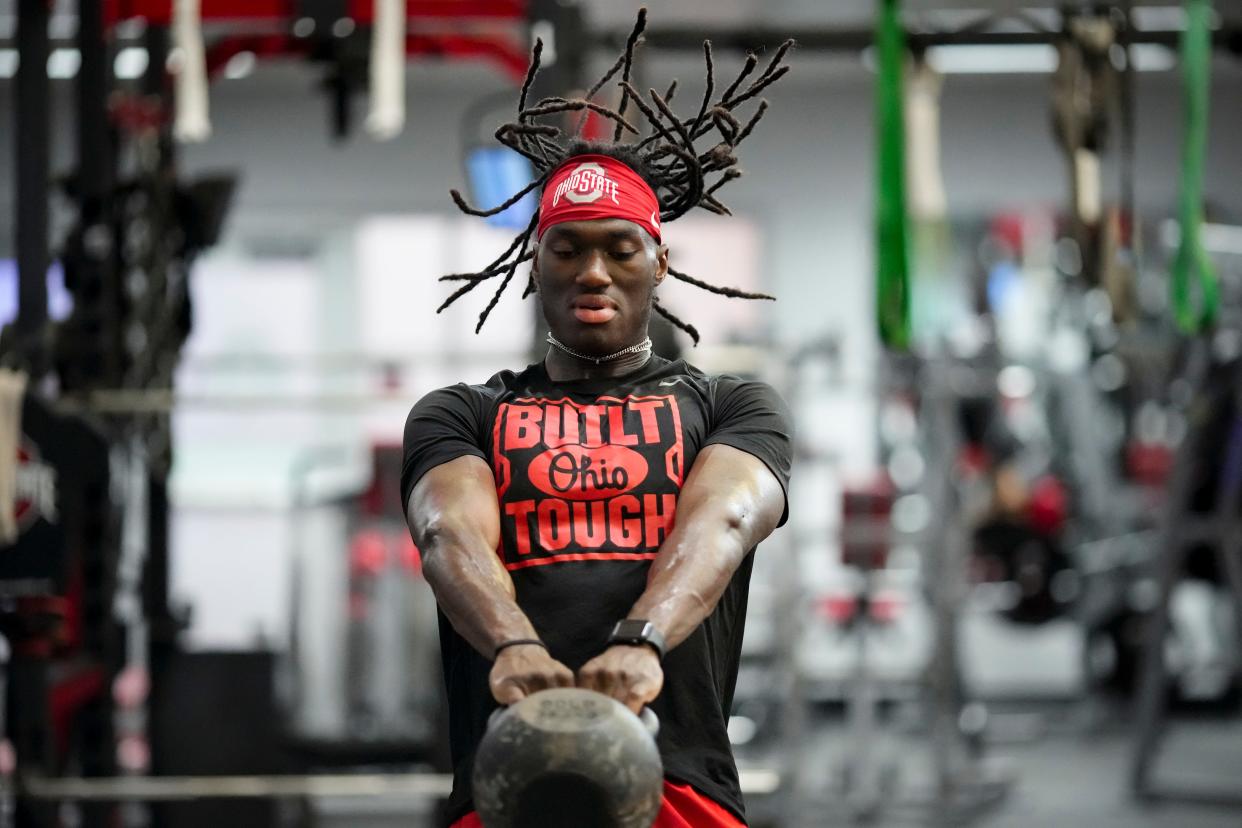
column 587, row 472
column 587, row 184
column 35, row 491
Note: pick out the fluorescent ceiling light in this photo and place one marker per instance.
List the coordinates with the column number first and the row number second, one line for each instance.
column 992, row 60
column 1222, row 238
column 63, row 63
column 545, row 31
column 8, row 63
column 240, row 65
column 1216, row 238
column 131, row 62
column 1032, row 58
column 1159, row 18
column 1149, row 57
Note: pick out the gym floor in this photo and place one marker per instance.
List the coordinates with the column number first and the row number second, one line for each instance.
column 1064, row 776
column 1067, row 777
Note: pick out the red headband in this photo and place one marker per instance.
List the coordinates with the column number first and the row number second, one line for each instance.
column 589, row 187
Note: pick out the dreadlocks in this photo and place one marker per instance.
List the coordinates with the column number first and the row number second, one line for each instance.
column 669, row 159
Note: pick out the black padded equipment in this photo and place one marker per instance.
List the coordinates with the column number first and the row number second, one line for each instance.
column 1030, row 559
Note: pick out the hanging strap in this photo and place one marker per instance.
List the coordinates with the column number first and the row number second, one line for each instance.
column 925, row 191
column 892, row 231
column 1191, row 268
column 386, row 115
column 191, row 123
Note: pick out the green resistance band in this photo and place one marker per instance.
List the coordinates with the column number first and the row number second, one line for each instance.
column 892, row 230
column 1191, row 266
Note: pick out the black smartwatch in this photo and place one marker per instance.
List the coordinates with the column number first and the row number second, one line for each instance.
column 633, row 631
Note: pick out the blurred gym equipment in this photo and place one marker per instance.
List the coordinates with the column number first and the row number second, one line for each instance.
column 1203, row 514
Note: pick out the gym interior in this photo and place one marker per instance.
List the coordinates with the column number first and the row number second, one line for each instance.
column 1005, row 241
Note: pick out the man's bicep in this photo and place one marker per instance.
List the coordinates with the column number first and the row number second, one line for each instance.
column 458, row 496
column 745, row 484
column 752, row 418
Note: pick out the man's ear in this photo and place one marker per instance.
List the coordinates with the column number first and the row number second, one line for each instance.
column 534, row 267
column 661, row 263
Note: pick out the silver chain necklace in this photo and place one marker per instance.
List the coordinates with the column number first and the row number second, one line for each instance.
column 640, row 347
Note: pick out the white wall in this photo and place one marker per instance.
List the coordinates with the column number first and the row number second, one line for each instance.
column 809, row 164
column 809, row 168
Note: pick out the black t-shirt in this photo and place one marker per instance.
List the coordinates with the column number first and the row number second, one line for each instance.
column 587, row 474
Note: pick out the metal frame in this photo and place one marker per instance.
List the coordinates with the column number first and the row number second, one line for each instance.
column 262, row 29
column 32, row 158
column 274, row 36
column 1177, row 531
column 159, row 12
column 965, row 786
column 818, row 39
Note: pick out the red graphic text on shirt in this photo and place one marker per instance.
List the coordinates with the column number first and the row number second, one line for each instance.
column 587, row 481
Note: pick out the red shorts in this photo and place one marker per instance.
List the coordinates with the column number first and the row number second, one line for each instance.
column 683, row 807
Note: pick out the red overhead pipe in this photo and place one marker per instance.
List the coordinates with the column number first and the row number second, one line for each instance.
column 503, row 51
column 509, row 54
column 159, row 12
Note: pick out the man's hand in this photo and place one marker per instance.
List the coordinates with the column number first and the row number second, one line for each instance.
column 630, row 674
column 524, row 669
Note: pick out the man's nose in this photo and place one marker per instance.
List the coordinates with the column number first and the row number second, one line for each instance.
column 594, row 272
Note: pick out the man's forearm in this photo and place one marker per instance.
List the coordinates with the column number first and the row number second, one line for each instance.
column 476, row 594
column 689, row 575
column 730, row 502
column 454, row 519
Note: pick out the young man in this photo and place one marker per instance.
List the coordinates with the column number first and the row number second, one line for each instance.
column 590, row 520
column 601, row 484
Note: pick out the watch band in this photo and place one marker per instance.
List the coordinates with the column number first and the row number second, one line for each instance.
column 634, row 632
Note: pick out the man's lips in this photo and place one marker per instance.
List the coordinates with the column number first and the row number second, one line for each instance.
column 594, row 310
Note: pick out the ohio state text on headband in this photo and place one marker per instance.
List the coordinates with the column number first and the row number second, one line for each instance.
column 589, row 187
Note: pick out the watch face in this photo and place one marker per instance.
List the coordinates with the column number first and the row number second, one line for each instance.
column 637, row 631
column 630, row 628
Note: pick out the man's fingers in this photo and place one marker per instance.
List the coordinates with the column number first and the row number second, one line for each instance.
column 590, row 678
column 557, row 676
column 641, row 694
column 553, row 678
column 508, row 692
column 514, row 681
column 611, row 682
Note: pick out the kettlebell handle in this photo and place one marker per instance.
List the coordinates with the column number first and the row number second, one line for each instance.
column 648, row 717
column 651, row 721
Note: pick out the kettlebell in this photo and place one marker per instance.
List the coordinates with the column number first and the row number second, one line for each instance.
column 568, row 757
